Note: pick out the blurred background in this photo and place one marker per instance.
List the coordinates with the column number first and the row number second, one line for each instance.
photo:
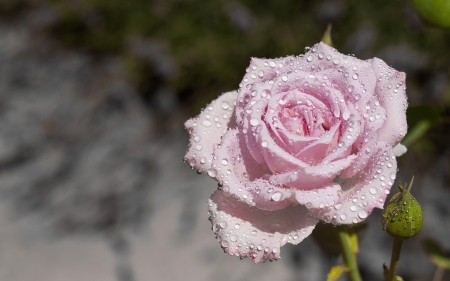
column 93, row 96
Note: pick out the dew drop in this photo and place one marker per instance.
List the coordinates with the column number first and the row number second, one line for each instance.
column 206, row 123
column 336, row 61
column 353, row 208
column 223, row 224
column 234, row 238
column 212, row 173
column 362, row 214
column 284, row 78
column 309, row 58
column 225, row 105
column 392, row 176
column 272, row 64
column 254, row 122
column 277, row 196
column 343, row 217
column 225, row 243
column 264, row 144
column 261, row 73
column 237, row 226
column 224, row 161
column 373, row 190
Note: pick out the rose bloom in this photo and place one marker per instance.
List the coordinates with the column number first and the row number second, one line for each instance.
column 304, row 139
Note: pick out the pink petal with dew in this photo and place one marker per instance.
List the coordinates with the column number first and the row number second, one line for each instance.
column 312, row 177
column 235, row 167
column 249, row 232
column 365, row 191
column 353, row 78
column 257, row 82
column 371, row 121
column 315, row 88
column 260, row 140
column 390, row 91
column 315, row 152
column 281, row 105
column 206, row 130
column 319, row 198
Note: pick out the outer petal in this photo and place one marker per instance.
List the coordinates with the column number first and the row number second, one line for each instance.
column 206, row 130
column 249, row 232
column 365, row 191
column 390, row 91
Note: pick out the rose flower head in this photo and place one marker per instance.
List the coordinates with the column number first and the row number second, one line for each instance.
column 304, row 139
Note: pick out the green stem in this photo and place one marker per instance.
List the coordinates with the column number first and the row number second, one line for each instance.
column 349, row 256
column 395, row 256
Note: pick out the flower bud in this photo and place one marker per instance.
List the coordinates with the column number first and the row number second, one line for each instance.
column 402, row 217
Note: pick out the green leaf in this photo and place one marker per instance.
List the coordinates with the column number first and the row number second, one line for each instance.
column 435, row 12
column 327, row 36
column 420, row 118
column 336, row 272
column 438, row 256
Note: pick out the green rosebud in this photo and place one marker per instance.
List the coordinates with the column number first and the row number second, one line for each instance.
column 436, row 12
column 402, row 217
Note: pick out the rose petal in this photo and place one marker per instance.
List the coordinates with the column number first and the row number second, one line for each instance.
column 312, row 177
column 316, row 151
column 319, row 198
column 399, row 150
column 390, row 91
column 235, row 167
column 365, row 191
column 249, row 232
column 206, row 130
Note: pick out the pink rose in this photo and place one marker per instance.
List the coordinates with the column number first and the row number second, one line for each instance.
column 304, row 139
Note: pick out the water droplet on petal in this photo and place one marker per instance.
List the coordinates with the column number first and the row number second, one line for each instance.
column 254, row 121
column 212, row 173
column 264, row 144
column 336, row 61
column 206, row 123
column 373, row 190
column 277, row 196
column 362, row 214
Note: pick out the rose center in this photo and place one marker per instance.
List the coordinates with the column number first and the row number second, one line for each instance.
column 304, row 121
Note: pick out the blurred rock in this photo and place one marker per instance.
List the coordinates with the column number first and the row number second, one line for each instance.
column 154, row 53
column 360, row 42
column 404, row 58
column 240, row 16
column 330, row 11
